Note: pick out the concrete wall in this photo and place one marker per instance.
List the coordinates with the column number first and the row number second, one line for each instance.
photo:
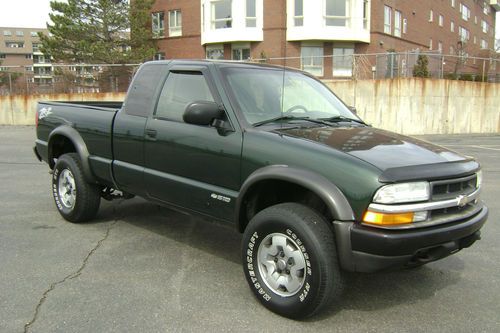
column 20, row 109
column 424, row 106
column 408, row 106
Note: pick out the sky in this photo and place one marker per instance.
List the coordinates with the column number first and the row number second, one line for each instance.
column 35, row 13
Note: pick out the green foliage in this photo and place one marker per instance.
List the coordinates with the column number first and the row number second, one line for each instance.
column 98, row 31
column 421, row 67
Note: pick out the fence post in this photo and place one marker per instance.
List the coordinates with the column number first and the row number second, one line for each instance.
column 484, row 66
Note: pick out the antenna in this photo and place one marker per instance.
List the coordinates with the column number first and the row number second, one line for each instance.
column 284, row 60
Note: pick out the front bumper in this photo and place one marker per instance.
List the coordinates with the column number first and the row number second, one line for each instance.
column 368, row 249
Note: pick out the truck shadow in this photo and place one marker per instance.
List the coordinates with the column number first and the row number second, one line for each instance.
column 362, row 292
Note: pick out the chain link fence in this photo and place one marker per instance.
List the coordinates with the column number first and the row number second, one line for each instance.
column 44, row 78
column 53, row 79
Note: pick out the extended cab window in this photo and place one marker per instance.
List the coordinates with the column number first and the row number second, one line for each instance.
column 179, row 90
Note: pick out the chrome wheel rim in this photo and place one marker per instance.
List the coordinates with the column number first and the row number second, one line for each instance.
column 281, row 264
column 67, row 189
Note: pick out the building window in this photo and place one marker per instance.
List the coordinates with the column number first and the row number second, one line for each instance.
column 29, row 68
column 453, row 3
column 452, row 50
column 486, row 8
column 430, row 44
column 441, row 20
column 298, row 13
column 34, row 34
column 19, row 33
column 463, row 33
column 484, row 26
column 159, row 56
column 365, row 14
column 14, row 44
column 221, row 14
column 251, row 18
column 215, row 52
column 484, row 44
column 440, row 47
column 174, row 23
column 36, row 47
column 431, row 16
column 158, row 25
column 29, row 56
column 7, row 33
column 475, row 19
column 342, row 60
column 387, row 19
column 475, row 41
column 405, row 25
column 311, row 59
column 397, row 23
column 2, row 56
column 452, row 26
column 240, row 52
column 337, row 13
column 465, row 12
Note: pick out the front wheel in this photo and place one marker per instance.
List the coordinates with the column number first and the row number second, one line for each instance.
column 76, row 199
column 290, row 260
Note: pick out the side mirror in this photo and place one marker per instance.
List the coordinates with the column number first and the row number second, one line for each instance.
column 202, row 113
column 353, row 109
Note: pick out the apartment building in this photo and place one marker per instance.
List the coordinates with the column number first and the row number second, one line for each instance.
column 21, row 47
column 321, row 35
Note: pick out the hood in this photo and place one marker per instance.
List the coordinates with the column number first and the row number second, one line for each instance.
column 380, row 148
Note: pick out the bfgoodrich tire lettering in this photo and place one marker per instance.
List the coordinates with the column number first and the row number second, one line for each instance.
column 75, row 199
column 290, row 260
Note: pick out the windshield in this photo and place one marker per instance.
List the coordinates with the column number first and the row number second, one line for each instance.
column 259, row 95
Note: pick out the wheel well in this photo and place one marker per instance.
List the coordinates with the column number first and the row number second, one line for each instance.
column 267, row 193
column 59, row 145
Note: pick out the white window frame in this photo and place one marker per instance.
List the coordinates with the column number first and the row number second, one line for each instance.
column 405, row 26
column 241, row 47
column 344, row 71
column 158, row 24
column 7, row 33
column 484, row 44
column 307, row 63
column 19, row 33
column 397, row 23
column 453, row 3
column 214, row 20
column 431, row 15
column 452, row 26
column 387, row 20
column 441, row 20
column 346, row 17
column 484, row 26
column 430, row 44
column 298, row 17
column 465, row 12
column 214, row 47
column 251, row 21
column 440, row 47
column 175, row 30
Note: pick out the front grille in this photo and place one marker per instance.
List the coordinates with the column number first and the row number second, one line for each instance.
column 452, row 188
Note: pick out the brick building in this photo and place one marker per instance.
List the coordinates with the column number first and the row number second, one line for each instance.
column 21, row 47
column 321, row 36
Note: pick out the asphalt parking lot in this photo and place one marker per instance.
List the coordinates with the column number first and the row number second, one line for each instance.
column 142, row 268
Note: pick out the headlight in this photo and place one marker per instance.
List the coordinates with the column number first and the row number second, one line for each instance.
column 479, row 178
column 404, row 192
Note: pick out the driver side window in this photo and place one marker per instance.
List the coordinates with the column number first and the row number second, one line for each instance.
column 179, row 90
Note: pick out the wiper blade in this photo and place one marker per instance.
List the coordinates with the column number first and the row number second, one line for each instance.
column 338, row 119
column 272, row 120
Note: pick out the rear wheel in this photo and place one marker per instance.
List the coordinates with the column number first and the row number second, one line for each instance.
column 290, row 260
column 76, row 199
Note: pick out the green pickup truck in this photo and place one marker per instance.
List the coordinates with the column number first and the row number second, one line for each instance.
column 314, row 190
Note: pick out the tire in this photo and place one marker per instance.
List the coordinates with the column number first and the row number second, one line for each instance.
column 290, row 260
column 75, row 199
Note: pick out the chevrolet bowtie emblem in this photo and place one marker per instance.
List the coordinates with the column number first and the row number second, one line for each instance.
column 461, row 200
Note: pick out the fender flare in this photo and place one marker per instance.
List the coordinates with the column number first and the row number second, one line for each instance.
column 81, row 148
column 331, row 195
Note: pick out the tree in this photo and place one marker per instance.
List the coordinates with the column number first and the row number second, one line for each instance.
column 421, row 67
column 99, row 31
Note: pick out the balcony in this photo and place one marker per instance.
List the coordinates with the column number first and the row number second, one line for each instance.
column 495, row 4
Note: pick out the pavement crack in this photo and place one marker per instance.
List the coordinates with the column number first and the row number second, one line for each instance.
column 70, row 276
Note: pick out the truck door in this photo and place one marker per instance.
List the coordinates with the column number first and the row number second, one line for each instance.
column 191, row 166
